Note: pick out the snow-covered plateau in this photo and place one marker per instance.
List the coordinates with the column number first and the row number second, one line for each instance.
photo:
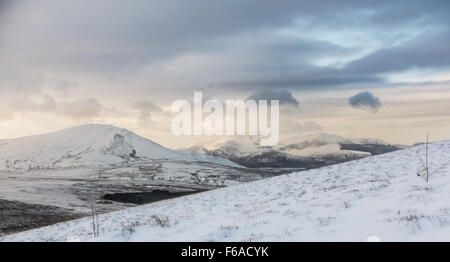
column 377, row 198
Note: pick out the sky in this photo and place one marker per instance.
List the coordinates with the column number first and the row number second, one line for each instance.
column 361, row 68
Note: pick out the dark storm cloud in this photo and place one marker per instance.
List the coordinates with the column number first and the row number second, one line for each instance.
column 365, row 100
column 284, row 97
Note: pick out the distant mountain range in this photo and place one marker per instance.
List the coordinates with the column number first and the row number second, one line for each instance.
column 104, row 145
column 308, row 151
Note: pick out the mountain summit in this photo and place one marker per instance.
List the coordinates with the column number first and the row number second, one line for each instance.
column 87, row 145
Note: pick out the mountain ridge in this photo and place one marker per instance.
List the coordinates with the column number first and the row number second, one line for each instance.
column 87, row 145
column 307, row 151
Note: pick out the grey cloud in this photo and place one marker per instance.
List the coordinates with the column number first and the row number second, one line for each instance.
column 422, row 83
column 75, row 108
column 309, row 78
column 5, row 7
column 104, row 38
column 284, row 97
column 65, row 86
column 18, row 80
column 294, row 127
column 365, row 100
column 146, row 107
column 41, row 103
column 311, row 126
column 81, row 108
column 47, row 103
column 426, row 51
column 293, row 51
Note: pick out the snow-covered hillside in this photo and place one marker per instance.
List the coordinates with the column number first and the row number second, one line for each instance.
column 88, row 145
column 71, row 168
column 378, row 197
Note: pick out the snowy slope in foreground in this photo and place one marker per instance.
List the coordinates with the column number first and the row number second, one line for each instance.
column 88, row 145
column 376, row 196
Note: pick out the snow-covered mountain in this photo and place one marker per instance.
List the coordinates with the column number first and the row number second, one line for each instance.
column 65, row 171
column 376, row 198
column 88, row 145
column 306, row 151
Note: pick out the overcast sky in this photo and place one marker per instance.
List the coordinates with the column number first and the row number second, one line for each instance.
column 362, row 68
